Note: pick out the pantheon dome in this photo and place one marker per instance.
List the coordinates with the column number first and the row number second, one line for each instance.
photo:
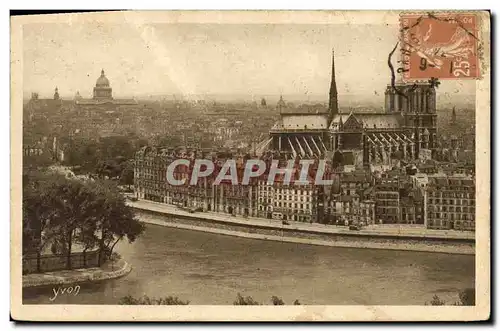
column 102, row 89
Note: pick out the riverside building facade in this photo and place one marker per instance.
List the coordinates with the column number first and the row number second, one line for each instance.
column 259, row 198
column 450, row 202
column 435, row 201
column 150, row 183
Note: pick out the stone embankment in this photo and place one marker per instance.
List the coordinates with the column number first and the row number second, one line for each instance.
column 111, row 270
column 192, row 221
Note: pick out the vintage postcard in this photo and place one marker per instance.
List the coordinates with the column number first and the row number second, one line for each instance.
column 178, row 165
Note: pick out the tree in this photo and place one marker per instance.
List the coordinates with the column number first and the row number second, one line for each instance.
column 127, row 176
column 468, row 297
column 39, row 226
column 145, row 300
column 245, row 301
column 76, row 207
column 35, row 219
column 116, row 220
column 171, row 300
column 54, row 207
column 436, row 301
column 277, row 301
column 249, row 301
column 114, row 146
column 87, row 236
column 61, row 211
column 83, row 152
column 112, row 151
column 109, row 168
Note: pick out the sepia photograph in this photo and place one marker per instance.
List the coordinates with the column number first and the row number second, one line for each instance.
column 333, row 162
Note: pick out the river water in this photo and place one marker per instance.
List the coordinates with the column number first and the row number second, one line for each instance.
column 207, row 268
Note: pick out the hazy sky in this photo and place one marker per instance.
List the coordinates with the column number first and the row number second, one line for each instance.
column 249, row 59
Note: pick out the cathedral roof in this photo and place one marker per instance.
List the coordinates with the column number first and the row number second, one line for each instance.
column 384, row 121
column 372, row 120
column 302, row 122
column 306, row 109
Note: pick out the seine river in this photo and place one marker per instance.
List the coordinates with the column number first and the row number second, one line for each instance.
column 211, row 269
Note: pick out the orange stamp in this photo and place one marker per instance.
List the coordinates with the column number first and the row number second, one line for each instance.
column 439, row 45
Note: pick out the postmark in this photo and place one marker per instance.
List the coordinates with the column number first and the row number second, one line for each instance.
column 439, row 45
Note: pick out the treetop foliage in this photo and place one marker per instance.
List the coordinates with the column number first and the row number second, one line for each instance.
column 60, row 211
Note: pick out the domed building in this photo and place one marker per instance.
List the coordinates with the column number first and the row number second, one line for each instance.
column 102, row 89
column 102, row 99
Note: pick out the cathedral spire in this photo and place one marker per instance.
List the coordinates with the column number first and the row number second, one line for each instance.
column 333, row 106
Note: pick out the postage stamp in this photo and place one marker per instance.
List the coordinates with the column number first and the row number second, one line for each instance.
column 440, row 45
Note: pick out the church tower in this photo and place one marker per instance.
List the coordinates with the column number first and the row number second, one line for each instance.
column 333, row 106
column 281, row 104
